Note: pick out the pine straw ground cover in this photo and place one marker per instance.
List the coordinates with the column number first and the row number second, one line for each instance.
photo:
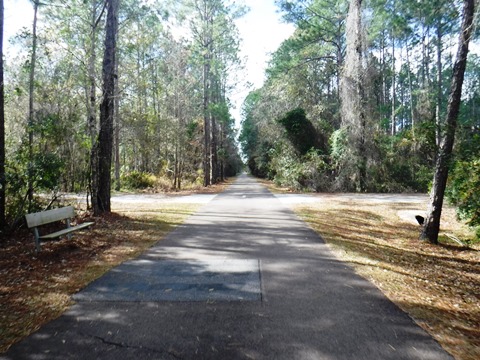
column 36, row 288
column 438, row 286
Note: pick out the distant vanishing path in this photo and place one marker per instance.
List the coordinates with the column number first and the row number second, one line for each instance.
column 243, row 278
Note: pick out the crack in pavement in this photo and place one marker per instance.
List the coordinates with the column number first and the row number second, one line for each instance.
column 123, row 345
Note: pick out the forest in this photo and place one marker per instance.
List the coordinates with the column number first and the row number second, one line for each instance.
column 104, row 95
column 135, row 96
column 363, row 97
column 359, row 100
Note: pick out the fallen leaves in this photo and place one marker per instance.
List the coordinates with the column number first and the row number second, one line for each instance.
column 439, row 286
column 36, row 288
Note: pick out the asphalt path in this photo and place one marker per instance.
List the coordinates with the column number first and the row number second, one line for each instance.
column 243, row 278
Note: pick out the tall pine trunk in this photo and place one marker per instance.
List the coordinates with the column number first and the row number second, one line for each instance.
column 92, row 104
column 214, row 126
column 354, row 102
column 410, row 92
column 3, row 182
column 31, row 89
column 432, row 224
column 105, row 136
column 438, row 108
column 206, row 123
column 117, row 125
column 394, row 94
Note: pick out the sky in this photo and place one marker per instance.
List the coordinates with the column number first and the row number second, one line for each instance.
column 18, row 14
column 261, row 29
column 262, row 32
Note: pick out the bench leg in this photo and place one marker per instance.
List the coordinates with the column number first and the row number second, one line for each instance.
column 37, row 240
column 69, row 235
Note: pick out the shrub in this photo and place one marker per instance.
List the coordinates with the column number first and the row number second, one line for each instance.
column 45, row 170
column 308, row 172
column 300, row 131
column 315, row 172
column 138, row 180
column 464, row 191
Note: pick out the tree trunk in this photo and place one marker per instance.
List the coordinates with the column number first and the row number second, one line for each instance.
column 30, row 107
column 432, row 223
column 3, row 182
column 410, row 90
column 105, row 137
column 206, row 122
column 222, row 147
column 354, row 100
column 176, row 177
column 339, row 60
column 362, row 166
column 424, row 68
column 383, row 67
column 92, row 104
column 214, row 151
column 214, row 126
column 438, row 108
column 393, row 117
column 116, row 112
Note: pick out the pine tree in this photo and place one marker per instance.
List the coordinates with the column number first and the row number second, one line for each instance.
column 2, row 128
column 105, row 136
column 432, row 223
column 354, row 100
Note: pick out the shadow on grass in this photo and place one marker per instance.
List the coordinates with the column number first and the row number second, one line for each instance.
column 437, row 285
column 36, row 288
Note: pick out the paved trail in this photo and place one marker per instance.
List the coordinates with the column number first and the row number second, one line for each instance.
column 243, row 278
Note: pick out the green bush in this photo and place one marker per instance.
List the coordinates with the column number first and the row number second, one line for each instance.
column 260, row 161
column 315, row 172
column 464, row 191
column 309, row 172
column 300, row 131
column 138, row 180
column 398, row 166
column 338, row 146
column 45, row 170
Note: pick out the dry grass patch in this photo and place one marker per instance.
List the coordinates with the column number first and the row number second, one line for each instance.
column 439, row 286
column 36, row 288
column 276, row 189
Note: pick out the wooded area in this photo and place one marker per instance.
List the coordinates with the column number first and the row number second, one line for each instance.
column 118, row 94
column 364, row 96
column 367, row 96
column 380, row 84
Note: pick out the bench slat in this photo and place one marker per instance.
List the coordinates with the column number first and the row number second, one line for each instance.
column 46, row 217
column 66, row 231
column 49, row 216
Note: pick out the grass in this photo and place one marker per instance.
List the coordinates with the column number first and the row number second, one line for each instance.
column 439, row 286
column 36, row 289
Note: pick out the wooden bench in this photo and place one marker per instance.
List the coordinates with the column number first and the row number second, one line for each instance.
column 35, row 220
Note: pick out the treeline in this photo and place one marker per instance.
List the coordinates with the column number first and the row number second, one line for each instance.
column 363, row 107
column 171, row 125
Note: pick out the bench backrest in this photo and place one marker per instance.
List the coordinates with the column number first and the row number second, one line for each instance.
column 49, row 216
